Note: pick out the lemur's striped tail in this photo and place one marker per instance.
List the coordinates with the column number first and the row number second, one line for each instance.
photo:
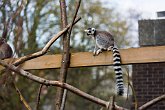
column 118, row 70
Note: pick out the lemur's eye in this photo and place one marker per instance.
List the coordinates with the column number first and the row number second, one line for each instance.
column 93, row 29
column 89, row 31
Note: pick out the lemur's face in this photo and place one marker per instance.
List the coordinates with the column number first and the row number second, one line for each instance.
column 90, row 31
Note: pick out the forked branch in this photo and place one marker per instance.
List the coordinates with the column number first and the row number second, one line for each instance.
column 46, row 48
column 54, row 83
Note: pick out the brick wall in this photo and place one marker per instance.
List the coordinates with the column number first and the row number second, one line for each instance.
column 149, row 79
column 149, row 83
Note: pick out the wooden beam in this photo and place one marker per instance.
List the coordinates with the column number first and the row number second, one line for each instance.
column 83, row 59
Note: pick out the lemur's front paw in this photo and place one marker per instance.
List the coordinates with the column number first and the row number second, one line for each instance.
column 110, row 48
column 98, row 51
column 94, row 53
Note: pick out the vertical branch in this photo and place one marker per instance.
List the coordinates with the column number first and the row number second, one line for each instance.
column 65, row 55
column 38, row 96
column 63, row 99
column 133, row 90
column 134, row 95
column 69, row 34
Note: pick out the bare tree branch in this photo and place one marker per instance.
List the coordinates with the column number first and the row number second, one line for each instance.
column 75, row 15
column 46, row 82
column 38, row 96
column 62, row 85
column 112, row 103
column 119, row 108
column 134, row 95
column 152, row 102
column 43, row 81
column 67, row 49
column 65, row 55
column 22, row 98
column 63, row 99
column 45, row 49
column 133, row 91
column 18, row 11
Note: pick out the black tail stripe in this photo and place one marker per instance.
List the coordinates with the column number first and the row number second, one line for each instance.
column 115, row 48
column 118, row 74
column 117, row 59
column 120, row 85
column 119, row 77
column 121, row 89
column 119, row 81
column 116, row 55
column 116, row 51
column 117, row 64
column 117, row 69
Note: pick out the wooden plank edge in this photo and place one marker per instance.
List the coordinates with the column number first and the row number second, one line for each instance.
column 85, row 59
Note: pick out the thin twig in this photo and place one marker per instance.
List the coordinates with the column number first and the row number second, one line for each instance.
column 38, row 96
column 46, row 48
column 128, row 78
column 134, row 95
column 18, row 11
column 63, row 99
column 21, row 97
column 133, row 91
column 75, row 15
column 152, row 102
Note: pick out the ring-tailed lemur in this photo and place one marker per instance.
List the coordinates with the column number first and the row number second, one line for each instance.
column 105, row 41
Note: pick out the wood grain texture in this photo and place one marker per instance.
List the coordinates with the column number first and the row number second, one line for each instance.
column 83, row 59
